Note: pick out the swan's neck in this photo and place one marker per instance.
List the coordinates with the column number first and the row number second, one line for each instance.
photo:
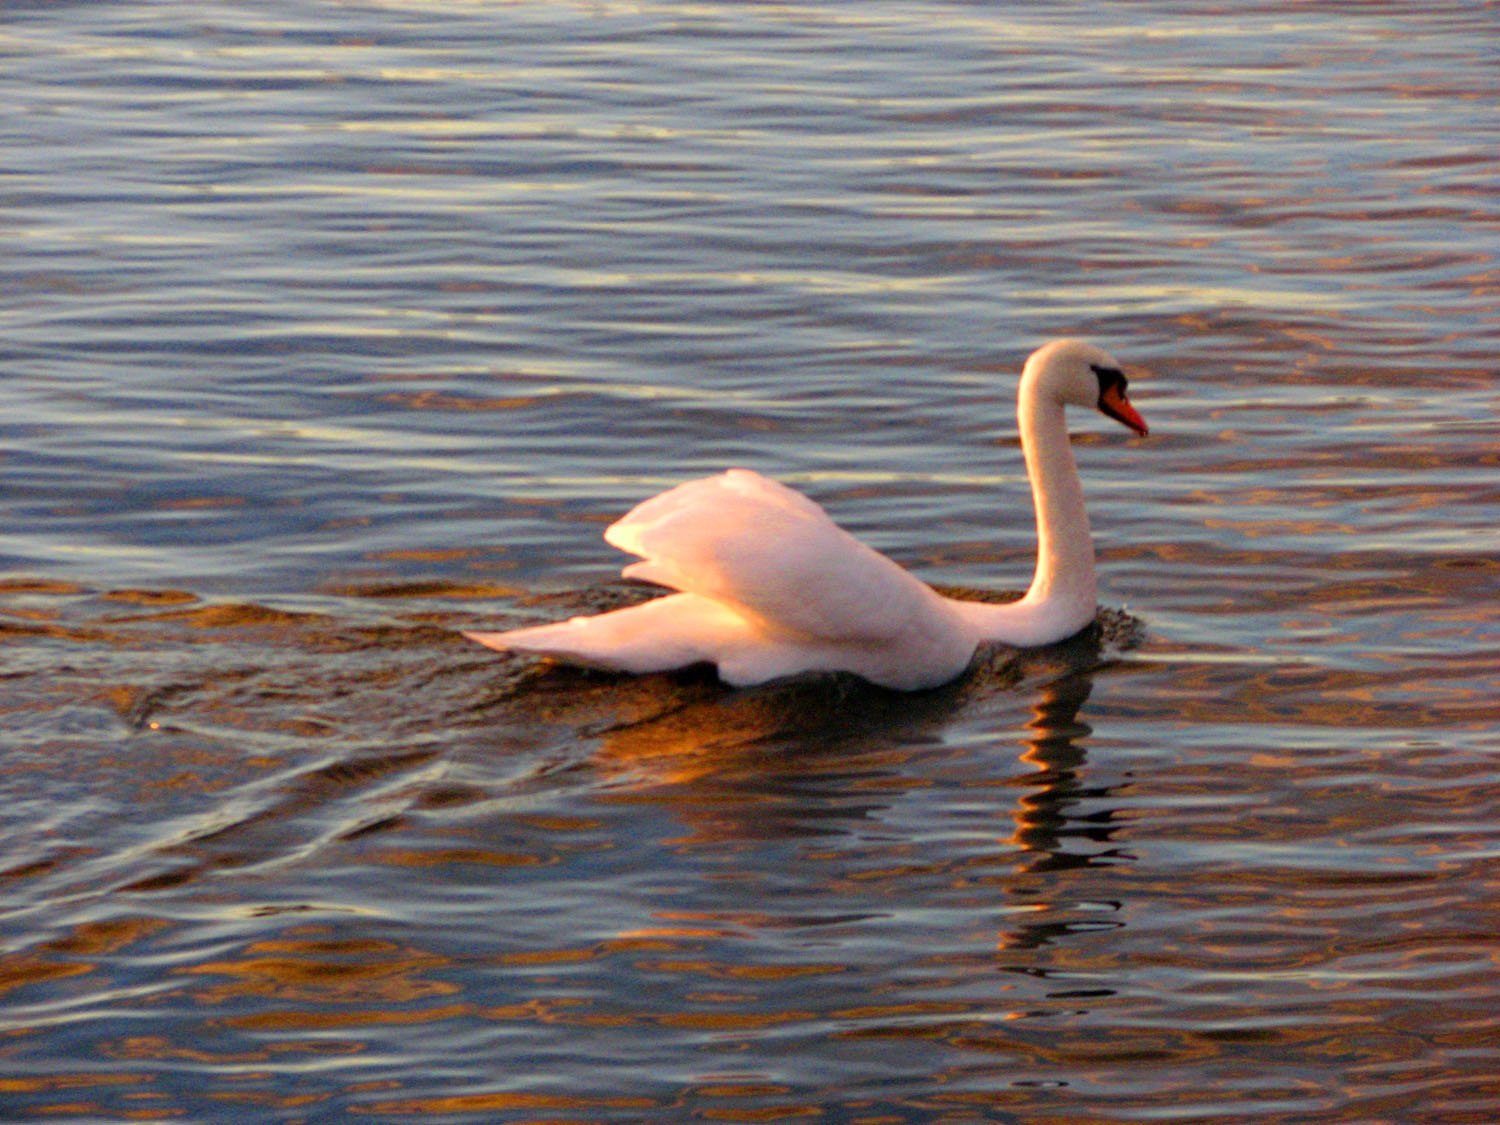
column 1062, row 597
column 1065, row 544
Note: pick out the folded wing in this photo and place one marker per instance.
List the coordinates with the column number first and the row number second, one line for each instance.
column 773, row 556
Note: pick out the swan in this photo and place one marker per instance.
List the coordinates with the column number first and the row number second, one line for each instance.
column 768, row 586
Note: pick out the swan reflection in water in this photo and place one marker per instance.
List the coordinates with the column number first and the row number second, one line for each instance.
column 1045, row 820
column 1055, row 833
column 797, row 757
column 847, row 806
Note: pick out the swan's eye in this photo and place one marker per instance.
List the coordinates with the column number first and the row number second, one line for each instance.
column 1110, row 379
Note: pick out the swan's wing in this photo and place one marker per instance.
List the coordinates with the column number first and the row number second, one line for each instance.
column 774, row 556
column 770, row 587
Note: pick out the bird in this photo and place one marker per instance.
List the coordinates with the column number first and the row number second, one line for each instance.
column 768, row 587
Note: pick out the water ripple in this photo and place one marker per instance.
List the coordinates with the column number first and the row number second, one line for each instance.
column 332, row 330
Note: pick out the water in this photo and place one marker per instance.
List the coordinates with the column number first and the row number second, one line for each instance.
column 329, row 330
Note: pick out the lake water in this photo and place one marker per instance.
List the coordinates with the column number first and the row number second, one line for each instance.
column 330, row 329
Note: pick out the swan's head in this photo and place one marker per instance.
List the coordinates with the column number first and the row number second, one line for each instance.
column 1079, row 374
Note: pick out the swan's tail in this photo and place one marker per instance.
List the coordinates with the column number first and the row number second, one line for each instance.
column 656, row 636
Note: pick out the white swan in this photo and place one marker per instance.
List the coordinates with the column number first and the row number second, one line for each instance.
column 770, row 586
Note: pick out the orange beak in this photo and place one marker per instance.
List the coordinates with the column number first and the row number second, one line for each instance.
column 1114, row 403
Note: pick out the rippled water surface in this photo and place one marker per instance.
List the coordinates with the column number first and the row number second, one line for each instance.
column 331, row 329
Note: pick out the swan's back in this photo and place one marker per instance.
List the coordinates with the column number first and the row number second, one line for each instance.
column 772, row 554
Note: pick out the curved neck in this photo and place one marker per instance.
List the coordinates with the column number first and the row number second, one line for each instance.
column 1065, row 545
column 1062, row 598
column 1064, row 540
